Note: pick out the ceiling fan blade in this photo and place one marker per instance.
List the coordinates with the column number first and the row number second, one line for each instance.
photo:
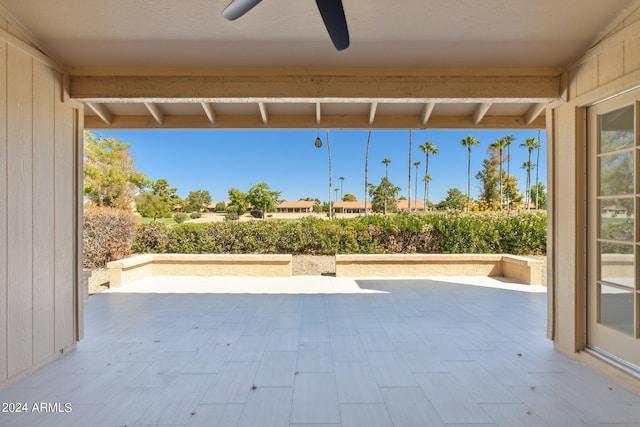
column 336, row 22
column 237, row 8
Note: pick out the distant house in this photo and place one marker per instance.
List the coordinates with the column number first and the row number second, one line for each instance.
column 212, row 206
column 349, row 207
column 416, row 205
column 612, row 211
column 300, row 206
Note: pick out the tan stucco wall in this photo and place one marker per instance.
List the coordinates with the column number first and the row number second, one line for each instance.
column 608, row 69
column 522, row 269
column 138, row 267
column 39, row 270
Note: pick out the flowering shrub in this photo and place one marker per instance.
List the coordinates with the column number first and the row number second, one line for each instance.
column 441, row 232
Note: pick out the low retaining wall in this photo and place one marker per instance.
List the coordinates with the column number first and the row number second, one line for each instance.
column 138, row 267
column 521, row 269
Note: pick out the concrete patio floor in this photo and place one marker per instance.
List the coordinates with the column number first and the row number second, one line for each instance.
column 320, row 351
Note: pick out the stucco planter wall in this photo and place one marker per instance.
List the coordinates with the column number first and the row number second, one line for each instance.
column 521, row 269
column 138, row 267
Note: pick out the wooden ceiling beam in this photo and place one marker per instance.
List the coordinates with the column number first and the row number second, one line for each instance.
column 534, row 111
column 155, row 112
column 102, row 111
column 480, row 111
column 209, row 111
column 310, row 122
column 263, row 112
column 394, row 88
column 426, row 112
column 372, row 112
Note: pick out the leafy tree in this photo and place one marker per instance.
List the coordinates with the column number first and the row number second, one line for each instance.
column 469, row 142
column 110, row 178
column 324, row 207
column 349, row 198
column 197, row 200
column 489, row 177
column 161, row 189
column 221, row 206
column 541, row 192
column 159, row 202
column 455, row 200
column 150, row 205
column 232, row 213
column 510, row 189
column 238, row 199
column 384, row 196
column 495, row 184
column 262, row 199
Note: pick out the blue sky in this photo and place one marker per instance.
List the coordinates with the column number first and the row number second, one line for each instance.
column 287, row 160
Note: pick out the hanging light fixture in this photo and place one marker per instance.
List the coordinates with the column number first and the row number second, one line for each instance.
column 318, row 142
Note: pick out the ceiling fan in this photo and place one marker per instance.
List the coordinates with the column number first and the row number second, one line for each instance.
column 331, row 11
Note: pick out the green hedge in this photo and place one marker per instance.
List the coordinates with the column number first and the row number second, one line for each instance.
column 450, row 232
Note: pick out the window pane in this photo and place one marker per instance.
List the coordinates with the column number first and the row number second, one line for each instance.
column 617, row 219
column 616, row 308
column 617, row 264
column 616, row 130
column 616, row 174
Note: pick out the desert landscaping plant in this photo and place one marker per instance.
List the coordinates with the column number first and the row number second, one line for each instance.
column 108, row 235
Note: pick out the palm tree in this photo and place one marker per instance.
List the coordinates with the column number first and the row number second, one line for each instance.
column 508, row 140
column 341, row 180
column 386, row 162
column 537, row 163
column 528, row 166
column 469, row 142
column 336, row 190
column 530, row 144
column 409, row 173
column 366, row 175
column 415, row 197
column 500, row 145
column 427, row 179
column 427, row 148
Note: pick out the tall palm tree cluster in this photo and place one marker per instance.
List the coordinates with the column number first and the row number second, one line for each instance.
column 531, row 144
column 502, row 147
column 427, row 148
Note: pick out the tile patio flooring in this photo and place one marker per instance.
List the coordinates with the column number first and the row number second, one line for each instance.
column 367, row 353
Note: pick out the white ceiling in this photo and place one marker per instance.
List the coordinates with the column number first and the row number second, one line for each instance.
column 290, row 33
column 100, row 36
